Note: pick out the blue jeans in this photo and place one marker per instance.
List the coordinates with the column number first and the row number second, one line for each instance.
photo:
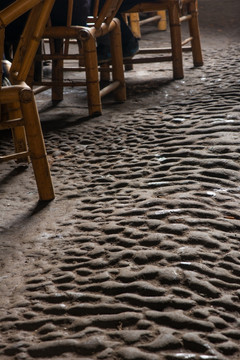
column 127, row 35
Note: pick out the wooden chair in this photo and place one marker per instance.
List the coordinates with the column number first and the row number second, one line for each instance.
column 135, row 22
column 17, row 103
column 178, row 12
column 102, row 22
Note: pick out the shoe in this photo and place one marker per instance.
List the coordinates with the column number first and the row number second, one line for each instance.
column 103, row 53
column 129, row 49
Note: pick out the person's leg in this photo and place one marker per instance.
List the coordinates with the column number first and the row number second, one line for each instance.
column 81, row 10
column 129, row 42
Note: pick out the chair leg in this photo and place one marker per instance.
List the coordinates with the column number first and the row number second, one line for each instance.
column 135, row 25
column 57, row 72
column 104, row 73
column 136, row 30
column 19, row 138
column 176, row 40
column 18, row 133
column 162, row 23
column 36, row 145
column 117, row 62
column 38, row 65
column 194, row 32
column 92, row 80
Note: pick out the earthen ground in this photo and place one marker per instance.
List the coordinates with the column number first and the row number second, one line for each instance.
column 137, row 257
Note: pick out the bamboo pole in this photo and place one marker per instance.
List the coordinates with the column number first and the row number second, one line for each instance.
column 135, row 24
column 162, row 23
column 30, row 40
column 15, row 10
column 37, row 148
column 195, row 33
column 175, row 30
column 69, row 23
column 117, row 61
column 93, row 88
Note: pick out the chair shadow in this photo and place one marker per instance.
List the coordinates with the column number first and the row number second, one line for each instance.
column 61, row 118
column 40, row 205
column 37, row 207
column 61, row 123
column 17, row 171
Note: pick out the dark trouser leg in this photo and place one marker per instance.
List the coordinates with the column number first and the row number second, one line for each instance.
column 129, row 42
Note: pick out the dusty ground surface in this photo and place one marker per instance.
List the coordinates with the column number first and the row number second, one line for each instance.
column 138, row 257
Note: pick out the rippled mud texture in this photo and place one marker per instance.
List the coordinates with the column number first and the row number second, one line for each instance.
column 138, row 256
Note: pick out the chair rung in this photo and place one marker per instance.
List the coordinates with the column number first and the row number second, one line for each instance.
column 23, row 154
column 149, row 20
column 79, row 69
column 147, row 60
column 113, row 86
column 48, row 84
column 59, row 57
column 186, row 41
column 40, row 89
column 185, row 18
column 11, row 124
column 154, row 51
column 71, row 41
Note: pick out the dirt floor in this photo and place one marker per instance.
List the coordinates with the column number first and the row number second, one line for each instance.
column 137, row 258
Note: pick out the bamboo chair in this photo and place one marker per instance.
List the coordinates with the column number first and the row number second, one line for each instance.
column 17, row 103
column 179, row 11
column 135, row 22
column 102, row 22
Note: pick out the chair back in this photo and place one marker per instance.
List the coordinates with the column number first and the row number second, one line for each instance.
column 8, row 15
column 69, row 12
column 39, row 12
column 107, row 12
column 25, row 54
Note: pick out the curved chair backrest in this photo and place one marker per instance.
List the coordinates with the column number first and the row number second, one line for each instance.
column 31, row 36
column 107, row 12
column 8, row 15
column 99, row 16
